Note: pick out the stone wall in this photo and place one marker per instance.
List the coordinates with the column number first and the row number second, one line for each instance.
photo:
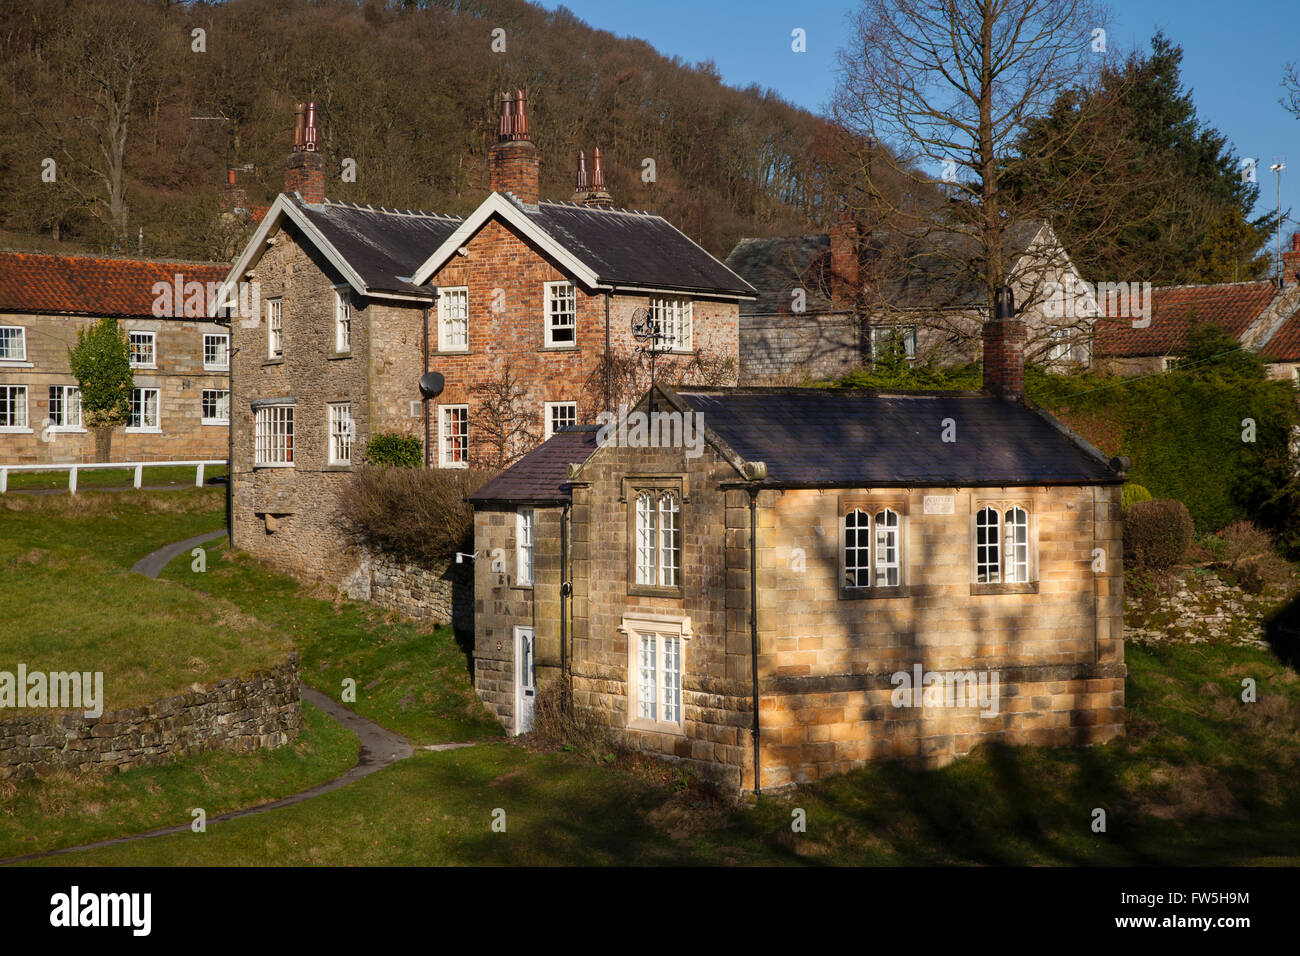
column 242, row 714
column 441, row 593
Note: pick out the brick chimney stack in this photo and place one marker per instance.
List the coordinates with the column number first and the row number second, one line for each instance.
column 1004, row 349
column 234, row 198
column 513, row 164
column 844, row 260
column 305, row 171
column 1291, row 262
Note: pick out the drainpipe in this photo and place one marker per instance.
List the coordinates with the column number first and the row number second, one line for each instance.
column 566, row 597
column 753, row 620
column 608, row 398
column 426, row 401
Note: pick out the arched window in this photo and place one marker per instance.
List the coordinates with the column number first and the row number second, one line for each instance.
column 886, row 563
column 988, row 553
column 1016, row 536
column 857, row 549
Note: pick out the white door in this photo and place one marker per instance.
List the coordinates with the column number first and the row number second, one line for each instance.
column 525, row 680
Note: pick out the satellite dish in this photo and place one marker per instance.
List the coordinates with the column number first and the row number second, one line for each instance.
column 431, row 384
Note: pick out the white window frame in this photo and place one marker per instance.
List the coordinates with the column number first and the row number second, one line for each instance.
column 217, row 419
column 656, row 556
column 1015, row 557
column 549, row 410
column 872, row 547
column 275, row 328
column 655, row 681
column 906, row 332
column 69, row 397
column 273, row 434
column 444, row 438
column 22, row 341
column 1059, row 346
column 448, row 341
column 20, row 423
column 144, row 428
column 153, row 347
column 342, row 319
column 557, row 294
column 223, row 348
column 674, row 315
column 342, row 433
column 525, row 540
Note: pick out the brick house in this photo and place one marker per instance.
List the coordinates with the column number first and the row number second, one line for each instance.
column 358, row 304
column 826, row 302
column 180, row 358
column 812, row 557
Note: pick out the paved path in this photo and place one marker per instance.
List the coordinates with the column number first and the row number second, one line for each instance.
column 151, row 565
column 379, row 747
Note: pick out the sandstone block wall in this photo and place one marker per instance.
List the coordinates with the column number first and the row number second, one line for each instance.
column 242, row 714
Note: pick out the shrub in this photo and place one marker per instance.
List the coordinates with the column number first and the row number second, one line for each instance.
column 389, row 448
column 558, row 725
column 1248, row 552
column 412, row 512
column 1132, row 494
column 1157, row 533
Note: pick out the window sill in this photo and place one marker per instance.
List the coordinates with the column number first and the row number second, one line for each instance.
column 655, row 726
column 215, row 421
column 560, row 348
column 335, row 356
column 878, row 593
column 144, row 368
column 273, row 361
column 521, row 587
column 16, row 363
column 450, row 464
column 644, row 590
column 14, row 430
column 66, row 430
column 452, row 352
column 288, row 464
column 144, row 430
column 338, row 466
column 1020, row 587
column 216, row 368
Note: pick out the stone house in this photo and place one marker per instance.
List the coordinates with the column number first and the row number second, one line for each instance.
column 761, row 577
column 526, row 307
column 179, row 356
column 827, row 302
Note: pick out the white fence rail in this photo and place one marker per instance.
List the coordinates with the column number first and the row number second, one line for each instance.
column 138, row 466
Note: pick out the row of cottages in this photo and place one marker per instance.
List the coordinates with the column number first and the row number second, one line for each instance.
column 766, row 589
column 359, row 304
column 180, row 359
column 1263, row 315
column 827, row 303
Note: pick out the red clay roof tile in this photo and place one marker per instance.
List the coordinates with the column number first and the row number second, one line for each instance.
column 91, row 285
column 1175, row 309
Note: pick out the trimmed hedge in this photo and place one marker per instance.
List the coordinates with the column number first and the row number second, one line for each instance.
column 389, row 448
column 1132, row 494
column 1157, row 533
column 412, row 512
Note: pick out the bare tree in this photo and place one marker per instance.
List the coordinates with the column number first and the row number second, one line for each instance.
column 950, row 87
column 506, row 419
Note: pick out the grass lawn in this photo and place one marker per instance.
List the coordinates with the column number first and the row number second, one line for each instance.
column 410, row 677
column 1201, row 778
column 72, row 602
column 113, row 478
column 71, row 809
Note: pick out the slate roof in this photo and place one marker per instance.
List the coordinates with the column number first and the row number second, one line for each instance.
column 541, row 476
column 92, row 285
column 384, row 246
column 908, row 272
column 858, row 438
column 1174, row 310
column 629, row 248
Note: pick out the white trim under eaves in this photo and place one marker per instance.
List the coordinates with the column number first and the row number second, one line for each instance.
column 688, row 293
column 499, row 205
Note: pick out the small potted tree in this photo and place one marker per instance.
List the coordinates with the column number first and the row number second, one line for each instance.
column 101, row 362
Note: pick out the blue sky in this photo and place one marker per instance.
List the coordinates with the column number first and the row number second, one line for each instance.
column 1234, row 56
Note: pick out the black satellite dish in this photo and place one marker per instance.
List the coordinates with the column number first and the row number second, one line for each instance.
column 431, row 384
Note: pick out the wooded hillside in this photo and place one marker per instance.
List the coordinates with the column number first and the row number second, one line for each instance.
column 141, row 123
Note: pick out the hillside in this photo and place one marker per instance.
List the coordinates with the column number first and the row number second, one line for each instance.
column 407, row 92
